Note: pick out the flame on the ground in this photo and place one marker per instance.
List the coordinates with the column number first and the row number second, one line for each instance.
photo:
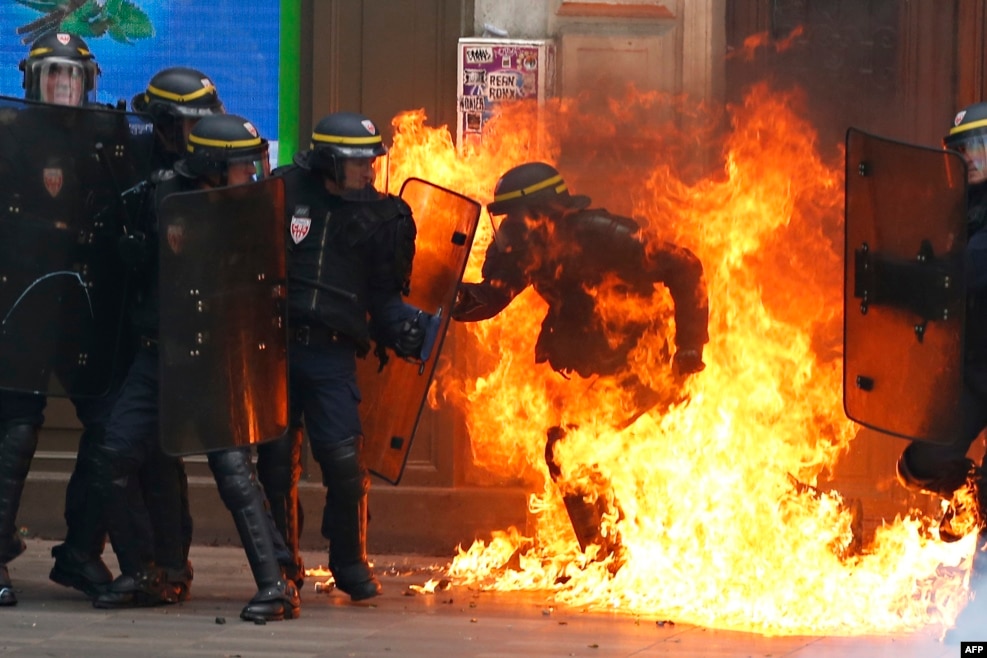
column 722, row 524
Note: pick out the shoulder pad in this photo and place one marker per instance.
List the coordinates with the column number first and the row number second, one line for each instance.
column 597, row 219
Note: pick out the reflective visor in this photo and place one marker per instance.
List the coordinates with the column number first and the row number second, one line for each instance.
column 973, row 148
column 61, row 81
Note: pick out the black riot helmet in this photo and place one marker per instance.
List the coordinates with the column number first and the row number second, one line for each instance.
column 176, row 98
column 219, row 142
column 60, row 69
column 339, row 136
column 533, row 186
column 968, row 136
column 179, row 91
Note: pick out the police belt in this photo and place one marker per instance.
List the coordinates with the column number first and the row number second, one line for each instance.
column 320, row 336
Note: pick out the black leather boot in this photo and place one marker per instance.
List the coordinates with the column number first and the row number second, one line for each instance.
column 279, row 467
column 344, row 519
column 276, row 598
column 147, row 587
column 90, row 575
column 585, row 508
column 7, row 596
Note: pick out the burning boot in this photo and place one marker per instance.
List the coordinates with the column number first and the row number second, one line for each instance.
column 277, row 597
column 141, row 582
column 78, row 560
column 958, row 485
column 586, row 508
column 164, row 486
column 17, row 445
column 279, row 467
column 344, row 519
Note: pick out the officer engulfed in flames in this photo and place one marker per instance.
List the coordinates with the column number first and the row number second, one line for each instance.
column 549, row 239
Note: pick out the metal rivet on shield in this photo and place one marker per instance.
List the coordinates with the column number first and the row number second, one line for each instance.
column 862, row 169
column 261, row 346
column 261, row 276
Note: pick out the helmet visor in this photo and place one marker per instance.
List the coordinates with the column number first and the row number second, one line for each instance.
column 973, row 148
column 61, row 81
column 248, row 168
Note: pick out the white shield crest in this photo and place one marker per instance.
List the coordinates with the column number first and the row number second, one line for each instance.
column 53, row 180
column 299, row 228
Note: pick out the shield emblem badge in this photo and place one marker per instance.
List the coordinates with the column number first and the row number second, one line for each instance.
column 53, row 180
column 300, row 225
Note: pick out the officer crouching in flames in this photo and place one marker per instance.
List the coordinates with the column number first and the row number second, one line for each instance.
column 349, row 263
column 222, row 151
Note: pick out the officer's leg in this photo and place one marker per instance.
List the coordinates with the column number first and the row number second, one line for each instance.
column 970, row 622
column 19, row 423
column 78, row 559
column 131, row 434
column 164, row 485
column 276, row 598
column 279, row 467
column 586, row 509
column 323, row 383
column 945, row 470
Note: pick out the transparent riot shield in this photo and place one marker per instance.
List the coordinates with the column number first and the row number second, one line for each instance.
column 71, row 179
column 222, row 336
column 904, row 294
column 394, row 397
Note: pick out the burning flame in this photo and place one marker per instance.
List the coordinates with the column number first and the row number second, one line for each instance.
column 720, row 520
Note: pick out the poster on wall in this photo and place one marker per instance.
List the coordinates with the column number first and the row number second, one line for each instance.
column 234, row 42
column 494, row 71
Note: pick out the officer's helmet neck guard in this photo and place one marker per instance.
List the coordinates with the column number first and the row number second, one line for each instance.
column 220, row 142
column 59, row 69
column 338, row 137
column 968, row 136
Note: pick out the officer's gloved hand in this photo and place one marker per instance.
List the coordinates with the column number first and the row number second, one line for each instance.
column 410, row 338
column 132, row 249
column 687, row 362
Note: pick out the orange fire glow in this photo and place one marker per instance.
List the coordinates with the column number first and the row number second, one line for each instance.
column 716, row 528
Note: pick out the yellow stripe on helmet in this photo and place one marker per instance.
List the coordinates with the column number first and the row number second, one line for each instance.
column 37, row 52
column 963, row 127
column 339, row 139
column 221, row 143
column 548, row 182
column 178, row 98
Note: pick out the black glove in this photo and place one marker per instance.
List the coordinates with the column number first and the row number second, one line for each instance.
column 411, row 337
column 687, row 362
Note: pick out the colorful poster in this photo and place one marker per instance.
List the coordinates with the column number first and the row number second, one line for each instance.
column 235, row 42
column 496, row 71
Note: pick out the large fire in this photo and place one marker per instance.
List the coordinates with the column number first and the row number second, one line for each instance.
column 722, row 524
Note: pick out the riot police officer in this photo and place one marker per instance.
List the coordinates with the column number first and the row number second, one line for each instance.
column 222, row 151
column 175, row 99
column 550, row 239
column 58, row 70
column 945, row 470
column 350, row 251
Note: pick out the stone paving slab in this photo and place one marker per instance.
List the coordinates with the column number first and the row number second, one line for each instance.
column 51, row 620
